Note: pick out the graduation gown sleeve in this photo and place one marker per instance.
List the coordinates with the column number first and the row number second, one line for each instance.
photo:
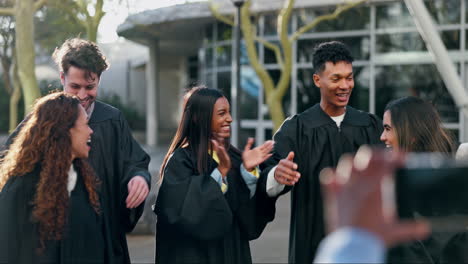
column 192, row 202
column 135, row 163
column 17, row 235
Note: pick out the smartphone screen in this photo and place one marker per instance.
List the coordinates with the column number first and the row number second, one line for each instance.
column 436, row 193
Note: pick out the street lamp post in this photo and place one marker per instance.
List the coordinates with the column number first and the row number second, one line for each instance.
column 236, row 68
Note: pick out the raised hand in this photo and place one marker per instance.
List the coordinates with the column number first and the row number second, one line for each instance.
column 224, row 164
column 286, row 172
column 353, row 197
column 251, row 158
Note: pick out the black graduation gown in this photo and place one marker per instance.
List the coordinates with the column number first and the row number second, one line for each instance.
column 83, row 240
column 116, row 158
column 440, row 247
column 317, row 143
column 197, row 223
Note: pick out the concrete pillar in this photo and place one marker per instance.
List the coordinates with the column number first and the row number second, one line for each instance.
column 152, row 77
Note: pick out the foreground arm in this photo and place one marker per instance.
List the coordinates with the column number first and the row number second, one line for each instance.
column 354, row 199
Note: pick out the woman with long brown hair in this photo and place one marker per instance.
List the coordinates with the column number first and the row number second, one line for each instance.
column 208, row 205
column 414, row 125
column 49, row 204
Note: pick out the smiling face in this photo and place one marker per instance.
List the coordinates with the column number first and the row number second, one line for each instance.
column 78, row 83
column 221, row 120
column 336, row 82
column 389, row 136
column 80, row 135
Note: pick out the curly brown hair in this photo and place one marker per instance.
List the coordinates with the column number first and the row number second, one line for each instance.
column 44, row 142
column 82, row 54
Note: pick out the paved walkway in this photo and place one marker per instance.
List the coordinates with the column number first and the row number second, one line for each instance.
column 271, row 247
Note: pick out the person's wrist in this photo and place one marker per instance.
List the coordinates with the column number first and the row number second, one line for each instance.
column 223, row 171
column 249, row 169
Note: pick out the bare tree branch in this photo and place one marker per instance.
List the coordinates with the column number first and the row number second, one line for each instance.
column 219, row 16
column 283, row 21
column 322, row 18
column 275, row 48
column 39, row 4
column 251, row 49
column 7, row 11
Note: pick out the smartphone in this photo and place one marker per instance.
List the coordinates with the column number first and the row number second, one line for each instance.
column 433, row 187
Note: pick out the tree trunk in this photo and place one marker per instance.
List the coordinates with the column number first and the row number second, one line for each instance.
column 14, row 100
column 25, row 52
column 276, row 110
column 91, row 31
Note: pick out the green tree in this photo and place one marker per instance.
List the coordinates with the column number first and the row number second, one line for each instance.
column 53, row 26
column 274, row 92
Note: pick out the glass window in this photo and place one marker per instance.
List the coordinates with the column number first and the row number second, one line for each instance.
column 307, row 93
column 224, row 84
column 244, row 59
column 397, row 14
column 353, row 19
column 412, row 41
column 268, row 134
column 393, row 15
column 286, row 102
column 444, row 11
column 359, row 47
column 245, row 133
column 250, row 84
column 414, row 80
column 399, row 42
column 209, row 58
column 224, row 32
column 271, row 24
column 223, row 55
column 360, row 95
column 209, row 80
column 269, row 55
column 209, row 34
column 466, row 11
column 192, row 69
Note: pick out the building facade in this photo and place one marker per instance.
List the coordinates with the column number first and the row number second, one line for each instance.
column 391, row 59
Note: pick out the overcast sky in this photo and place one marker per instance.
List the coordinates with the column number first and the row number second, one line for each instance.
column 116, row 15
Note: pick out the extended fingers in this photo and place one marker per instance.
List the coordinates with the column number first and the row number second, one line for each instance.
column 249, row 144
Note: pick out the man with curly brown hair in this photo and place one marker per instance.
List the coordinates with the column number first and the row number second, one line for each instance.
column 118, row 160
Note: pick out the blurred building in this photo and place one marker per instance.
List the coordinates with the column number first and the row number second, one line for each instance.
column 186, row 43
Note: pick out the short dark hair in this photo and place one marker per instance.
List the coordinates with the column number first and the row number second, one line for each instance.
column 82, row 54
column 333, row 51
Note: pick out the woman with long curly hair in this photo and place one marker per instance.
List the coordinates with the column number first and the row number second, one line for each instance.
column 49, row 204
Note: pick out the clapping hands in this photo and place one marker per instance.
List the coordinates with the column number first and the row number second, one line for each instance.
column 251, row 158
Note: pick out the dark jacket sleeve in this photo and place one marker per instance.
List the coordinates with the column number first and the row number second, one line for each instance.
column 192, row 203
column 135, row 163
column 18, row 236
column 255, row 215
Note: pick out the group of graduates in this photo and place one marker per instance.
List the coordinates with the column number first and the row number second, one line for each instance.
column 73, row 180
